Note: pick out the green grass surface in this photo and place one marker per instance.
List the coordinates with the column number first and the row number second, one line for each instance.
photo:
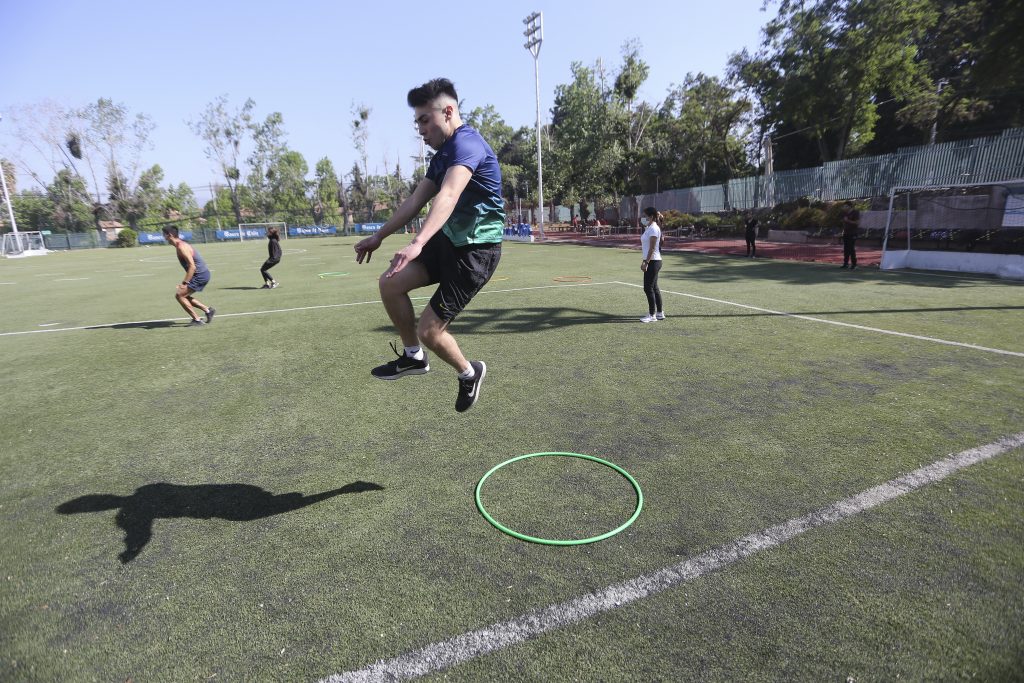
column 731, row 419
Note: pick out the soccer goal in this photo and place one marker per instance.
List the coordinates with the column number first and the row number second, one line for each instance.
column 18, row 244
column 968, row 228
column 248, row 231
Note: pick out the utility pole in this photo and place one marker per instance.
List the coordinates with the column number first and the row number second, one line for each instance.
column 534, row 37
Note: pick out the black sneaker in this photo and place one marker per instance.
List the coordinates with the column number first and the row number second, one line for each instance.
column 209, row 314
column 401, row 366
column 469, row 389
column 196, row 323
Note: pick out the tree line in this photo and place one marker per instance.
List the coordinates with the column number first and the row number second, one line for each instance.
column 831, row 79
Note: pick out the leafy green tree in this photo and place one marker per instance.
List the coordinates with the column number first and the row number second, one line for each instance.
column 111, row 142
column 266, row 162
column 586, row 149
column 224, row 131
column 33, row 210
column 326, row 193
column 821, row 66
column 631, row 120
column 360, row 129
column 181, row 200
column 146, row 197
column 42, row 128
column 700, row 133
column 507, row 143
column 73, row 208
column 222, row 205
column 973, row 60
column 288, row 187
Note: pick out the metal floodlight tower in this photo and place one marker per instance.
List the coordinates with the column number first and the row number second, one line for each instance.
column 7, row 197
column 534, row 37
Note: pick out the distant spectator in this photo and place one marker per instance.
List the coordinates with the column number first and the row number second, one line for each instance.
column 751, row 236
column 851, row 229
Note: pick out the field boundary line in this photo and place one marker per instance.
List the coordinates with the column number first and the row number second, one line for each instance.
column 443, row 655
column 865, row 328
column 286, row 310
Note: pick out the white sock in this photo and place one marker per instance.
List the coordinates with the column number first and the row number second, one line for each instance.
column 414, row 352
column 468, row 373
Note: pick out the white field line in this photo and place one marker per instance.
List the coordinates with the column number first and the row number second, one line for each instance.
column 284, row 310
column 840, row 324
column 443, row 655
column 71, row 279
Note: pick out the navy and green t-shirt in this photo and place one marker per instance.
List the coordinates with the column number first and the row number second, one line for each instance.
column 479, row 214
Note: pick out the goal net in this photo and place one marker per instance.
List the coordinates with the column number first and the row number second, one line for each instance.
column 18, row 244
column 249, row 231
column 970, row 228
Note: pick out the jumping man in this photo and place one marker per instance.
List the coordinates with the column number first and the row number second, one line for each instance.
column 457, row 248
column 197, row 276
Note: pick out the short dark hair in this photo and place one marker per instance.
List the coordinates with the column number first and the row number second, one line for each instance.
column 272, row 233
column 171, row 230
column 430, row 91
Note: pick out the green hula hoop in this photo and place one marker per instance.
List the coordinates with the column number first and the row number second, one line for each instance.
column 548, row 541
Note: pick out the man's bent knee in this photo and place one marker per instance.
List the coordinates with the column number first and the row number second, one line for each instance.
column 431, row 328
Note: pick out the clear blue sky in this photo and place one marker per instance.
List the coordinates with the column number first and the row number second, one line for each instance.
column 312, row 60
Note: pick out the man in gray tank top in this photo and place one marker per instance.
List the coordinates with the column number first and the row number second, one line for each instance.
column 197, row 276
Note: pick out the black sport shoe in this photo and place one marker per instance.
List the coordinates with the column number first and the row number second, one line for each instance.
column 469, row 389
column 209, row 314
column 401, row 366
column 196, row 323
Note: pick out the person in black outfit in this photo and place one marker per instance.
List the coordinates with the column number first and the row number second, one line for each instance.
column 274, row 257
column 751, row 236
column 851, row 226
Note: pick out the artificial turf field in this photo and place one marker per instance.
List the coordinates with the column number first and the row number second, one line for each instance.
column 159, row 506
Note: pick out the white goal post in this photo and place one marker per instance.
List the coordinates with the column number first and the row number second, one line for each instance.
column 255, row 228
column 968, row 227
column 18, row 244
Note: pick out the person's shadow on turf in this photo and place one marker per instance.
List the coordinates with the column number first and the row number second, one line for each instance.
column 234, row 502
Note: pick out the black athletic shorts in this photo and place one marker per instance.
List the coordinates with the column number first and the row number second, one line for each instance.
column 460, row 272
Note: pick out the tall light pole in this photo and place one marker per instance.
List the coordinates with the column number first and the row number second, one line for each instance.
column 935, row 121
column 534, row 37
column 7, row 197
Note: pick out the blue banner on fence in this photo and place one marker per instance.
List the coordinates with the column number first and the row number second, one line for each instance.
column 368, row 227
column 301, row 230
column 250, row 233
column 158, row 237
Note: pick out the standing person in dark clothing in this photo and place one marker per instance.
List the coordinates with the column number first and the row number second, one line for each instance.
column 851, row 228
column 273, row 258
column 197, row 276
column 751, row 236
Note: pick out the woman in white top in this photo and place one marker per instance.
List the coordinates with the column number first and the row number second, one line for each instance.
column 650, row 244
